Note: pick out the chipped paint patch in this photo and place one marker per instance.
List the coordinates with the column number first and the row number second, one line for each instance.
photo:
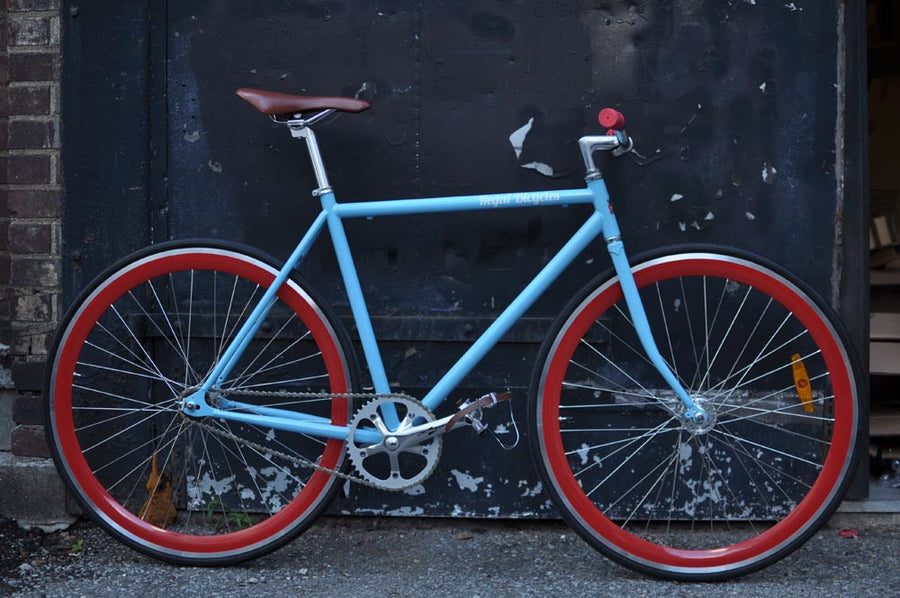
column 405, row 511
column 416, row 490
column 537, row 489
column 215, row 166
column 750, row 215
column 583, row 453
column 676, row 197
column 192, row 137
column 466, row 481
column 517, row 138
column 544, row 169
column 768, row 173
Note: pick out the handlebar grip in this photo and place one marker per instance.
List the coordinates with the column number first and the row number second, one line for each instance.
column 612, row 119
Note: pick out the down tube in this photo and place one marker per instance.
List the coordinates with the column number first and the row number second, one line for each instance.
column 589, row 231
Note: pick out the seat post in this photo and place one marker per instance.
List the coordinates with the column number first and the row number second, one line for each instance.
column 300, row 128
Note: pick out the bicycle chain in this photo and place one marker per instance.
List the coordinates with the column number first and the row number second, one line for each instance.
column 300, row 461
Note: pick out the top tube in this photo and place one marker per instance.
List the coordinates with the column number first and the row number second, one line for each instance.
column 397, row 207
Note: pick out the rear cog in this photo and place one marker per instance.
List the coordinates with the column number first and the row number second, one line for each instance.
column 399, row 461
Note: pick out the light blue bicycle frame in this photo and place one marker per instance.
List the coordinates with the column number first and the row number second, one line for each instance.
column 601, row 221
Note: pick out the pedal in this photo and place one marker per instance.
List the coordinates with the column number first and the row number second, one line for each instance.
column 471, row 413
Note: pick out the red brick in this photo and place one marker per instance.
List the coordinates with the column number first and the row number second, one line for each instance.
column 34, row 204
column 29, row 238
column 34, row 67
column 29, row 31
column 4, row 269
column 33, row 134
column 34, row 272
column 5, row 294
column 28, row 170
column 29, row 441
column 28, row 409
column 27, row 307
column 32, row 5
column 29, row 100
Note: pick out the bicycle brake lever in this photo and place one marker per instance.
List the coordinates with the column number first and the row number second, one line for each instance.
column 625, row 143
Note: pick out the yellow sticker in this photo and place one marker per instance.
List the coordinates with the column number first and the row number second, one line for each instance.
column 801, row 382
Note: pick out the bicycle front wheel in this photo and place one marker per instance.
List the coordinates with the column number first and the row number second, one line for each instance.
column 674, row 499
column 139, row 340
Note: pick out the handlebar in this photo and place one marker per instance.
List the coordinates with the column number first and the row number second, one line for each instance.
column 616, row 139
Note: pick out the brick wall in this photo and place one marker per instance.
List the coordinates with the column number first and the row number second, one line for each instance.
column 30, row 194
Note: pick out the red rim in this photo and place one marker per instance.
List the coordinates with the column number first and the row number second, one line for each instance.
column 70, row 448
column 806, row 511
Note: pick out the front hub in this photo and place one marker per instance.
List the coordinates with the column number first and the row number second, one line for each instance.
column 702, row 419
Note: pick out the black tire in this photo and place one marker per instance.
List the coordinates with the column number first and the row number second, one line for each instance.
column 136, row 339
column 714, row 502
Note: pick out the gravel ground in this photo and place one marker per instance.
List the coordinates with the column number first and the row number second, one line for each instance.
column 348, row 557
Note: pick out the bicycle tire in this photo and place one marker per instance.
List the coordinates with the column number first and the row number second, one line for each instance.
column 141, row 335
column 677, row 501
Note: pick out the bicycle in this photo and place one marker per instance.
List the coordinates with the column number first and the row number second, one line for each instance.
column 694, row 414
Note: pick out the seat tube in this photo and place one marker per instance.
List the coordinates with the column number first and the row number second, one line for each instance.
column 358, row 307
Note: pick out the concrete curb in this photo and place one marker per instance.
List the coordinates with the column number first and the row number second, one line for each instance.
column 32, row 493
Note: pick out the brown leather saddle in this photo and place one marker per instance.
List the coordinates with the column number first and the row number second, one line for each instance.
column 279, row 104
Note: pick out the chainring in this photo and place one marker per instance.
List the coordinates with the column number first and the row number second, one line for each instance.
column 395, row 463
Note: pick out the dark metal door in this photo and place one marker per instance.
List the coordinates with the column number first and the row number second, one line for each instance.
column 736, row 109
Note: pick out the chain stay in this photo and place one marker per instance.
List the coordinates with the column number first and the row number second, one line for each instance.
column 298, row 460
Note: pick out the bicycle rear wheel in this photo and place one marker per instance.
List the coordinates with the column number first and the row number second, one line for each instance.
column 195, row 492
column 676, row 500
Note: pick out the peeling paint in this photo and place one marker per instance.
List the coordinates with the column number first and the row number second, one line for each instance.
column 416, row 490
column 537, row 489
column 583, row 453
column 405, row 511
column 192, row 137
column 676, row 197
column 544, row 169
column 215, row 166
column 768, row 173
column 517, row 138
column 466, row 481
